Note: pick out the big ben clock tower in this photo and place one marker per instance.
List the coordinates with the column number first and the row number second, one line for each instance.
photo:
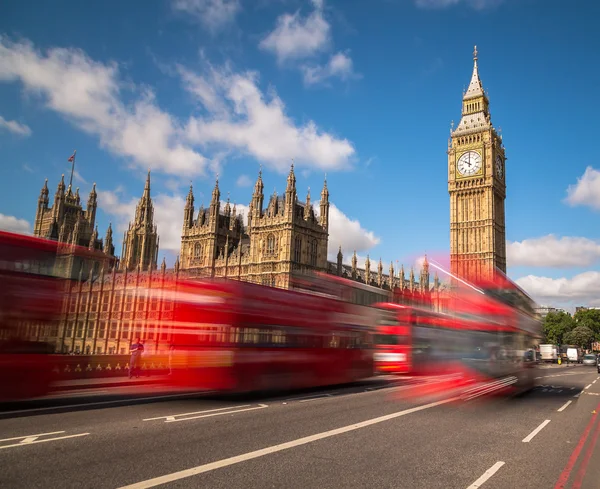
column 476, row 183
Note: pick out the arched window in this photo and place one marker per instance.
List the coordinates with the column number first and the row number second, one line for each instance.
column 298, row 249
column 197, row 250
column 270, row 244
column 313, row 253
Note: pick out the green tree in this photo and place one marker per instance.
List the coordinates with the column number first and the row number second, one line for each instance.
column 589, row 318
column 581, row 336
column 556, row 325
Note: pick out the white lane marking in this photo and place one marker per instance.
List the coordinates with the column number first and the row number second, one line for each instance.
column 486, row 475
column 530, row 436
column 588, row 386
column 32, row 436
column 26, row 442
column 577, row 395
column 595, row 381
column 173, row 416
column 592, row 394
column 325, row 396
column 102, row 403
column 260, row 406
column 277, row 448
column 564, row 406
column 308, row 398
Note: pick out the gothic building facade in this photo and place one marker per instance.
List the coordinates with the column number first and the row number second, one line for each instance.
column 285, row 237
column 67, row 222
column 477, row 188
column 140, row 241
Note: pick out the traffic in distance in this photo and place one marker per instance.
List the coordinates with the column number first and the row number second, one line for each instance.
column 236, row 337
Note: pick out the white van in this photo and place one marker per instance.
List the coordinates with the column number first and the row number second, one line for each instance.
column 573, row 355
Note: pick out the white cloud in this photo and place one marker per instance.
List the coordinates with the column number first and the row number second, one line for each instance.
column 15, row 127
column 339, row 65
column 297, row 37
column 212, row 14
column 475, row 4
column 168, row 214
column 14, row 224
column 87, row 93
column 240, row 117
column 259, row 126
column 582, row 289
column 550, row 251
column 243, row 181
column 347, row 233
column 586, row 191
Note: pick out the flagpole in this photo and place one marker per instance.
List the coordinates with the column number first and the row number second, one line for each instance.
column 72, row 167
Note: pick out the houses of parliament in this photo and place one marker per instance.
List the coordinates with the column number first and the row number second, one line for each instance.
column 105, row 307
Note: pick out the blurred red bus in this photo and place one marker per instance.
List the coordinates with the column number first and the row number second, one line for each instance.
column 479, row 339
column 34, row 273
column 241, row 337
column 30, row 292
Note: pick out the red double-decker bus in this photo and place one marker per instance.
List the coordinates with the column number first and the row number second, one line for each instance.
column 30, row 293
column 240, row 337
column 481, row 338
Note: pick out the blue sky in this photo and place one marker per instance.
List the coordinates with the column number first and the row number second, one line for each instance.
column 361, row 91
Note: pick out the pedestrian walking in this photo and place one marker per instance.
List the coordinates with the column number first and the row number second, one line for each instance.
column 136, row 354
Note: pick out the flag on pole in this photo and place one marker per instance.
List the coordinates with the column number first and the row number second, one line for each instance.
column 72, row 158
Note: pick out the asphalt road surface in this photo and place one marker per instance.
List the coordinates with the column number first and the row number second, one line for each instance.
column 359, row 436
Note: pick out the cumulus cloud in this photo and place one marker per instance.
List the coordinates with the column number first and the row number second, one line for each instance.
column 586, row 191
column 297, row 37
column 258, row 125
column 14, row 224
column 347, row 233
column 340, row 65
column 168, row 214
column 212, row 14
column 14, row 127
column 440, row 4
column 551, row 251
column 582, row 289
column 239, row 116
column 87, row 93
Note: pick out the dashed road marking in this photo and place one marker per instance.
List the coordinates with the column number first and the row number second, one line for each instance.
column 33, row 439
column 588, row 386
column 564, row 406
column 172, row 418
column 486, row 475
column 200, row 469
column 530, row 436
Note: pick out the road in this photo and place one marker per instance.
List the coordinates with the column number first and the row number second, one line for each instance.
column 365, row 435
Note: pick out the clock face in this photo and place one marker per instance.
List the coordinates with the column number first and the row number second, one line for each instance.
column 469, row 164
column 499, row 167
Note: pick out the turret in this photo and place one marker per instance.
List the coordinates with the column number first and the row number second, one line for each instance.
column 368, row 271
column 215, row 202
column 324, row 217
column 354, row 265
column 76, row 232
column 392, row 276
column 93, row 239
column 42, row 207
column 308, row 206
column 92, row 205
column 290, row 194
column 109, row 248
column 340, row 259
column 380, row 273
column 188, row 210
column 402, row 277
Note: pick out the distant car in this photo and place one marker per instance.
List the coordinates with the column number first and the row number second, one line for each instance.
column 590, row 359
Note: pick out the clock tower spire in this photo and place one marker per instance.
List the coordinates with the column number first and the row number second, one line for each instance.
column 477, row 188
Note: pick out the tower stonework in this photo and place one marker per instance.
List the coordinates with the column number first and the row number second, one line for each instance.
column 140, row 241
column 476, row 184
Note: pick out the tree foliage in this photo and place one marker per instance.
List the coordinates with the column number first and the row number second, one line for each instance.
column 556, row 325
column 581, row 336
column 589, row 318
